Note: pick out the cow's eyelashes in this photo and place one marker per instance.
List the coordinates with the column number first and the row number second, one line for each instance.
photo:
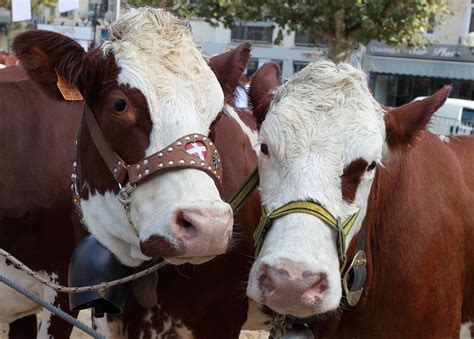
column 264, row 148
column 371, row 166
column 120, row 105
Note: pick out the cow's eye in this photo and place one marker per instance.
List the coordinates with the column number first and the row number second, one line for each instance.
column 372, row 166
column 120, row 105
column 264, row 149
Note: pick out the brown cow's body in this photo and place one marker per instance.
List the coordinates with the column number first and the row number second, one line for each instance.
column 421, row 257
column 35, row 198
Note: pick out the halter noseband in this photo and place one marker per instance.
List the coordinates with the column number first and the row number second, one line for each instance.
column 307, row 207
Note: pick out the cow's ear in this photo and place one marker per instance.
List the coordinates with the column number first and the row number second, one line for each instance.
column 265, row 80
column 404, row 125
column 229, row 67
column 46, row 55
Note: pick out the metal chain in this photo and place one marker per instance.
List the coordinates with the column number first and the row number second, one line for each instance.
column 278, row 326
column 59, row 288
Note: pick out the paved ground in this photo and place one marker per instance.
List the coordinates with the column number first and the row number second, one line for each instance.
column 78, row 334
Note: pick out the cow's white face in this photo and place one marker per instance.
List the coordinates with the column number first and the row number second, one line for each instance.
column 178, row 215
column 324, row 133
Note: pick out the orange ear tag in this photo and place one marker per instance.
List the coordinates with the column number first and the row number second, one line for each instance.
column 68, row 90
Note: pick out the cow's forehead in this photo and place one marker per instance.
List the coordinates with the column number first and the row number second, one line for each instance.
column 325, row 108
column 155, row 54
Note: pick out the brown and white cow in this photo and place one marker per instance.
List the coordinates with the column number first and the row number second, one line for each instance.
column 325, row 139
column 208, row 301
column 147, row 86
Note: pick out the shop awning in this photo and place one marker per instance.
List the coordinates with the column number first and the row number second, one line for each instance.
column 423, row 68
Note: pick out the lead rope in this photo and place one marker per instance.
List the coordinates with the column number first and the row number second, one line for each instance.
column 53, row 309
column 66, row 289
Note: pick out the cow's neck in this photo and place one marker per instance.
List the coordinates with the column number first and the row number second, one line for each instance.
column 393, row 219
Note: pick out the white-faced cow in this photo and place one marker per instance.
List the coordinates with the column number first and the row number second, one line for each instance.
column 330, row 154
column 207, row 301
column 147, row 86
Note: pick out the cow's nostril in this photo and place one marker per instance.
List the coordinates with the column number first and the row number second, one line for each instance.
column 186, row 226
column 265, row 283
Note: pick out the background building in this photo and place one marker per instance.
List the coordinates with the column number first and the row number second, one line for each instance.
column 400, row 74
column 295, row 51
column 77, row 24
column 397, row 74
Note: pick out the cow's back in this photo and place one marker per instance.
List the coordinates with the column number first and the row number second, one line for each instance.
column 37, row 138
column 463, row 147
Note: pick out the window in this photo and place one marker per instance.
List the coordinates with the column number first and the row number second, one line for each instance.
column 306, row 40
column 68, row 14
column 421, row 87
column 385, row 88
column 467, row 117
column 252, row 67
column 255, row 64
column 471, row 26
column 431, row 24
column 259, row 33
column 299, row 65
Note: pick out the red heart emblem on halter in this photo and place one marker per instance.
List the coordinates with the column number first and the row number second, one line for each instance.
column 196, row 149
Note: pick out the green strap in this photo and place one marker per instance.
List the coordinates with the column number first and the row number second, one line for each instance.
column 245, row 190
column 306, row 207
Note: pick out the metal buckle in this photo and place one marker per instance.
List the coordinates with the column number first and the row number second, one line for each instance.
column 125, row 192
column 353, row 297
column 125, row 199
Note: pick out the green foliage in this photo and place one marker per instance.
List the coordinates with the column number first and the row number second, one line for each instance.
column 344, row 24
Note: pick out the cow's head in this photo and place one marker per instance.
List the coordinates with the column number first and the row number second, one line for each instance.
column 322, row 140
column 148, row 85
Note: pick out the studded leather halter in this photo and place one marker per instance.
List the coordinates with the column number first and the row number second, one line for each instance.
column 192, row 151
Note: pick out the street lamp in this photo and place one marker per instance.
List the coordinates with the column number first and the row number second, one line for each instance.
column 94, row 16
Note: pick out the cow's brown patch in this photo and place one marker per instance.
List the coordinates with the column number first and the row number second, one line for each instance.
column 351, row 177
column 159, row 246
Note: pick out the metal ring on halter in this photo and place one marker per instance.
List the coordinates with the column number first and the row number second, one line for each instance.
column 125, row 199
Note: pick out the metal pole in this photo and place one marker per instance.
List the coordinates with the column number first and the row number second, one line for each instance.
column 94, row 25
column 117, row 9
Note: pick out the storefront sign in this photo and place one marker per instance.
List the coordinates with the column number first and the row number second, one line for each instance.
column 312, row 55
column 433, row 52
